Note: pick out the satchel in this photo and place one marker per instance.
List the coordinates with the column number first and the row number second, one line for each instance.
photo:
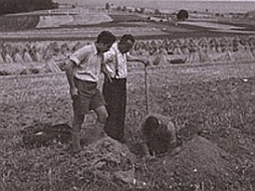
column 46, row 135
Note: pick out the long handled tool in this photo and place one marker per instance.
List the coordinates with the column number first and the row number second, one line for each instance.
column 156, row 62
column 146, row 89
column 174, row 130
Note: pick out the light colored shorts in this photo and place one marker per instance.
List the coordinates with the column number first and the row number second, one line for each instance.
column 89, row 97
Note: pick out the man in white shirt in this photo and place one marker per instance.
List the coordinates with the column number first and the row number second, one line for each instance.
column 114, row 87
column 82, row 71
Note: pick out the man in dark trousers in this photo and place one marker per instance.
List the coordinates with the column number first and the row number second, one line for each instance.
column 114, row 87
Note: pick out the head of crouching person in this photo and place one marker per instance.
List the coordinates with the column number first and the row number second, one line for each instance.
column 158, row 135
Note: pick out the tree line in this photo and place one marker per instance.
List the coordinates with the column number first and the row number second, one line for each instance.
column 181, row 15
column 17, row 6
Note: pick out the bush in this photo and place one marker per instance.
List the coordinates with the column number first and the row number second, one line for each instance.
column 4, row 73
column 34, row 70
column 182, row 15
column 17, row 6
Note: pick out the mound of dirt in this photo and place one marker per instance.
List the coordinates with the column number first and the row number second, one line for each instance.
column 200, row 165
column 106, row 159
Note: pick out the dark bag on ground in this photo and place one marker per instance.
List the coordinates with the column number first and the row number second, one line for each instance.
column 46, row 135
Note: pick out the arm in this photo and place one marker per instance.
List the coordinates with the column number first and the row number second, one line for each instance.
column 148, row 156
column 108, row 59
column 132, row 58
column 109, row 56
column 73, row 61
column 106, row 72
column 70, row 78
column 144, row 145
column 145, row 149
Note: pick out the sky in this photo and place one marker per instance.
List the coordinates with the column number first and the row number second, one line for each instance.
column 173, row 5
column 165, row 0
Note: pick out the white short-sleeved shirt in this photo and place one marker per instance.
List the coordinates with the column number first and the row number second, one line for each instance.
column 88, row 63
column 114, row 61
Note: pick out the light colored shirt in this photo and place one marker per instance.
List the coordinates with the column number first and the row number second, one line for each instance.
column 116, row 62
column 88, row 63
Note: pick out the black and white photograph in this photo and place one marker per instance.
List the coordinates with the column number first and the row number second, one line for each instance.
column 127, row 95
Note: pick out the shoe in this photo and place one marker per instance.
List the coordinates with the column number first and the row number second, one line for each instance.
column 176, row 150
column 122, row 140
column 76, row 146
column 71, row 150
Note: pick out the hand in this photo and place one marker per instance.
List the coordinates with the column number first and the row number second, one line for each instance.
column 148, row 158
column 108, row 76
column 146, row 62
column 74, row 92
column 106, row 73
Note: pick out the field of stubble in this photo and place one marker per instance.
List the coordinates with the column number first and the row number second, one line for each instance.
column 212, row 105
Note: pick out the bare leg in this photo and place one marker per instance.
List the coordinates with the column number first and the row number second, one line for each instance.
column 77, row 122
column 101, row 119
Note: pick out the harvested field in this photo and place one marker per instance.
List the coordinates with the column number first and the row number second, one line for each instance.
column 212, row 105
column 26, row 57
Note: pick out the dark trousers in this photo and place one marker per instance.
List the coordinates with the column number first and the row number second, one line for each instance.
column 115, row 94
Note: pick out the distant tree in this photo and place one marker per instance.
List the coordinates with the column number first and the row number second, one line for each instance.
column 142, row 10
column 17, row 6
column 157, row 12
column 182, row 15
column 107, row 6
column 124, row 8
column 119, row 8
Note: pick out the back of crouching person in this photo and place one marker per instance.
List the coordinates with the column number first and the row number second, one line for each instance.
column 158, row 135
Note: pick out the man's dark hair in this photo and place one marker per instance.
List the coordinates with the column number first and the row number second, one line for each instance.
column 150, row 126
column 127, row 37
column 106, row 37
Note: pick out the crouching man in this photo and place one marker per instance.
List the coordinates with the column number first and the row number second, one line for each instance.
column 158, row 136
